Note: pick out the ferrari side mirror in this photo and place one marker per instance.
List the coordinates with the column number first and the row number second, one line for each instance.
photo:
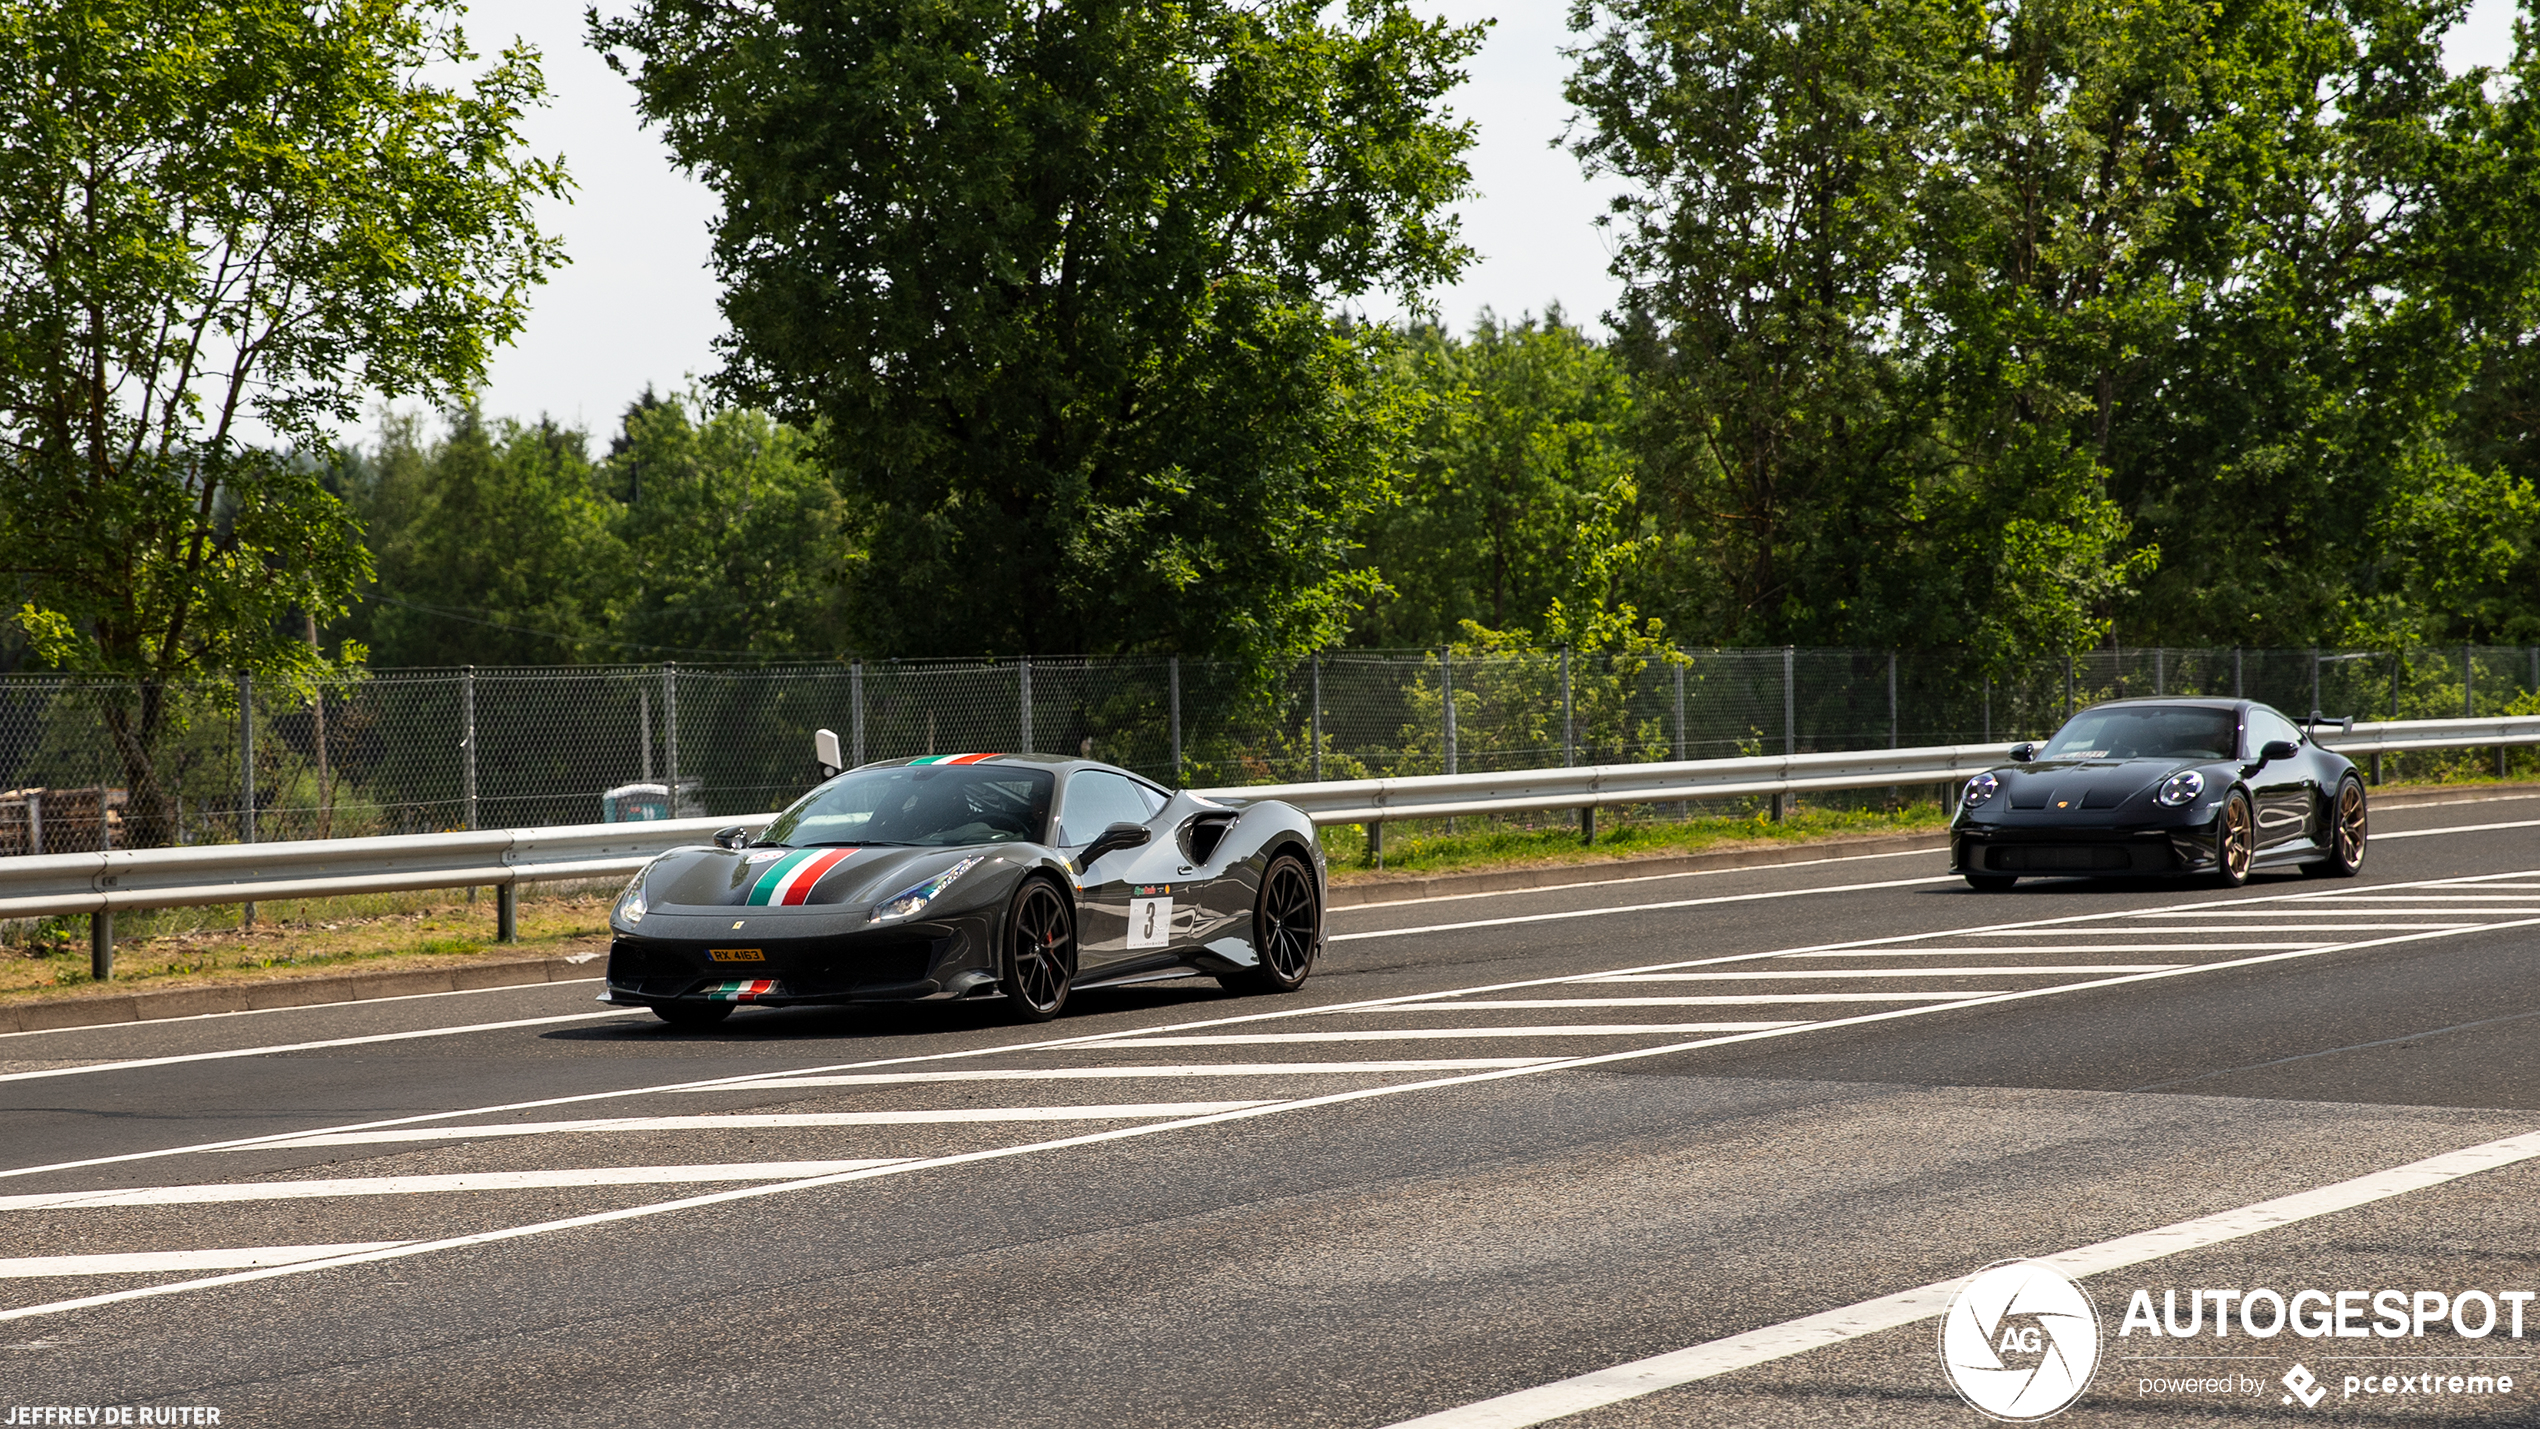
column 732, row 837
column 2023, row 753
column 2275, row 749
column 825, row 754
column 1118, row 836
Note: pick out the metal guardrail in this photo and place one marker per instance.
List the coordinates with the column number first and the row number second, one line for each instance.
column 49, row 885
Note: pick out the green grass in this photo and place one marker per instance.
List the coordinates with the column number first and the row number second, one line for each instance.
column 1424, row 846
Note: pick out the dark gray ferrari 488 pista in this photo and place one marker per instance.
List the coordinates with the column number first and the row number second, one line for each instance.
column 2164, row 786
column 948, row 877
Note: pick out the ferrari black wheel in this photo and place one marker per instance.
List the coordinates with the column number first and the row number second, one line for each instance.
column 1040, row 951
column 1992, row 882
column 2350, row 827
column 692, row 1014
column 2235, row 841
column 1287, row 921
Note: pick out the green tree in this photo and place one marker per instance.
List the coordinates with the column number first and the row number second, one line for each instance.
column 1515, row 484
column 221, row 226
column 733, row 531
column 1056, row 280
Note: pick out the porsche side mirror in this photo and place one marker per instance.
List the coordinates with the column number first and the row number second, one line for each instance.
column 1118, row 836
column 2023, row 753
column 2275, row 749
column 732, row 837
column 825, row 754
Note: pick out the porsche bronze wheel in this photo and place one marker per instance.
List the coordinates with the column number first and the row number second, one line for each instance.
column 2235, row 841
column 692, row 1014
column 1287, row 921
column 1040, row 951
column 2350, row 827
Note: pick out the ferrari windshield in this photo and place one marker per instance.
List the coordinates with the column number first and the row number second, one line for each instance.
column 927, row 805
column 2147, row 732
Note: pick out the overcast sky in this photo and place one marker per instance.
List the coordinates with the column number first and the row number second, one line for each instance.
column 637, row 305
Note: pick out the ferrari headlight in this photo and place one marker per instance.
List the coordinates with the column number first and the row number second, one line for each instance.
column 1982, row 787
column 630, row 904
column 913, row 900
column 2182, row 788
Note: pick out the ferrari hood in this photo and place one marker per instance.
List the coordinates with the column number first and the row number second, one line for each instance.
column 777, row 878
column 2092, row 784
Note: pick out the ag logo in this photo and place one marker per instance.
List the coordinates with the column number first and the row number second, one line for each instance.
column 2020, row 1341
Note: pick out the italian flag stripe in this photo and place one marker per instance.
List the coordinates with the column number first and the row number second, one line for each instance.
column 765, row 888
column 953, row 758
column 798, row 884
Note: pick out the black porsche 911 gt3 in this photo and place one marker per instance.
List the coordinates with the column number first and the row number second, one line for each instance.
column 2164, row 786
column 972, row 876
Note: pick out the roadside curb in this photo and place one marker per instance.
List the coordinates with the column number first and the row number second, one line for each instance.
column 297, row 992
column 519, row 972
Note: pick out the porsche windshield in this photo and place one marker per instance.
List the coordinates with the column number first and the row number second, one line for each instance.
column 928, row 805
column 2147, row 732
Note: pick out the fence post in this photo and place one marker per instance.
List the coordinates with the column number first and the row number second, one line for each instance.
column 644, row 731
column 1988, row 709
column 1790, row 722
column 1023, row 691
column 1446, row 687
column 467, row 750
column 1683, row 807
column 1173, row 678
column 2235, row 672
column 1567, row 732
column 101, row 943
column 669, row 733
column 2469, row 675
column 2068, row 685
column 246, row 779
column 2315, row 679
column 855, row 713
column 2160, row 670
column 1314, row 716
column 1893, row 794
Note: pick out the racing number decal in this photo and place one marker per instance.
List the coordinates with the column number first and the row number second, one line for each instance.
column 1150, row 922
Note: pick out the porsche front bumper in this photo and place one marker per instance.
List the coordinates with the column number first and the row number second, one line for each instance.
column 2104, row 851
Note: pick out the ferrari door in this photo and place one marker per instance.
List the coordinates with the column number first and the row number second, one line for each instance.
column 1105, row 933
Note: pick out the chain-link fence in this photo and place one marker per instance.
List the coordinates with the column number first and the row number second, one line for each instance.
column 91, row 763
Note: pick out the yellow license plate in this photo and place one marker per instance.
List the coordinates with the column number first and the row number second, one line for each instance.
column 737, row 955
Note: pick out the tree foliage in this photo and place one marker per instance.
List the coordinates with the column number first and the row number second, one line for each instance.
column 221, row 226
column 1056, row 282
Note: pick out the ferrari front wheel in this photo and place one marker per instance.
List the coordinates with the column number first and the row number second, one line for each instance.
column 1287, row 923
column 2350, row 827
column 1039, row 960
column 2235, row 841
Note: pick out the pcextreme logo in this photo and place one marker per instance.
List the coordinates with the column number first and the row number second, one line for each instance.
column 2020, row 1341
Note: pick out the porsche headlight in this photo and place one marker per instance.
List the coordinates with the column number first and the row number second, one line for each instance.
column 2182, row 788
column 913, row 900
column 1981, row 788
column 630, row 904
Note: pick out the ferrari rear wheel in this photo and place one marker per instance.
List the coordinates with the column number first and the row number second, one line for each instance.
column 1287, row 921
column 2350, row 828
column 692, row 1014
column 1040, row 951
column 2235, row 841
column 1992, row 882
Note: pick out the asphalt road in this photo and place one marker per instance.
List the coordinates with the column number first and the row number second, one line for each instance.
column 1498, row 1143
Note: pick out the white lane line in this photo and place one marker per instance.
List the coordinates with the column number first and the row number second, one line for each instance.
column 1576, row 913
column 1094, row 1138
column 2328, row 910
column 2026, row 950
column 2457, row 829
column 274, row 1049
column 2447, row 896
column 177, row 1262
column 1776, row 974
column 1177, row 1070
column 1662, row 877
column 1759, row 999
column 158, row 1022
column 1580, row 1029
column 759, row 1121
column 2121, row 931
column 1564, row 1398
column 236, row 1191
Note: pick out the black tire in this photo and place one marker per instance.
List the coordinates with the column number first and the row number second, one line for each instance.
column 2235, row 841
column 1287, row 927
column 692, row 1014
column 1992, row 882
column 2349, row 832
column 1038, row 962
